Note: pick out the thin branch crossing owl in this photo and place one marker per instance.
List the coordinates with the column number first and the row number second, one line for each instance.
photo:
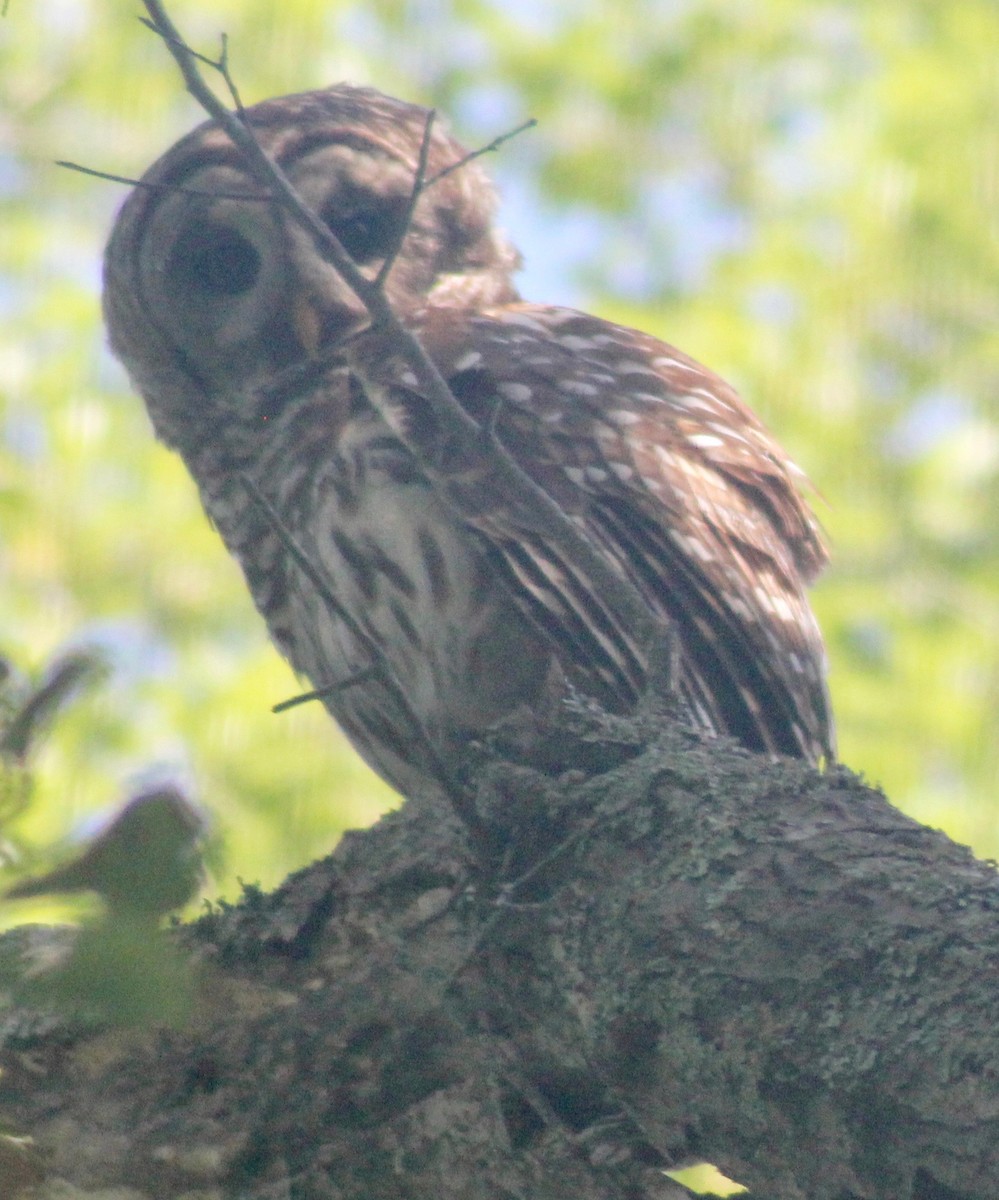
column 422, row 621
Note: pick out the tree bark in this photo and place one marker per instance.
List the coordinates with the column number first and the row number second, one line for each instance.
column 674, row 951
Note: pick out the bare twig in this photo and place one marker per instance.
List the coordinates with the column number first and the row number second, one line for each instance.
column 322, row 693
column 415, row 192
column 161, row 25
column 163, row 187
column 495, row 144
column 223, row 67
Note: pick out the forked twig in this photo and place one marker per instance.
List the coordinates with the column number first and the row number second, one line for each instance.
column 415, row 192
column 331, row 689
column 495, row 144
column 162, row 187
column 161, row 25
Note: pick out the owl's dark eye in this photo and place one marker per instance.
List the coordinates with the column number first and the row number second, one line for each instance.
column 365, row 233
column 217, row 261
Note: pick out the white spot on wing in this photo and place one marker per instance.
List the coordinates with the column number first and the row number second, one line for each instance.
column 573, row 341
column 699, row 550
column 728, row 432
column 693, row 546
column 560, row 316
column 522, row 319
column 782, row 608
column 737, row 605
column 715, row 399
column 519, row 393
column 467, row 361
column 631, row 366
column 764, row 598
column 577, row 387
column 695, row 403
column 705, row 441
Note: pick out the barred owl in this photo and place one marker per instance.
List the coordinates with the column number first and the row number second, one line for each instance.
column 422, row 620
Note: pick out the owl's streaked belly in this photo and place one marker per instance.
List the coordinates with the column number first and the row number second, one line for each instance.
column 423, row 613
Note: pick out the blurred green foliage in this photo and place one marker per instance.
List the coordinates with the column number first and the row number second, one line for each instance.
column 803, row 195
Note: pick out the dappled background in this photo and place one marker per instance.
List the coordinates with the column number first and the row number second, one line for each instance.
column 804, row 196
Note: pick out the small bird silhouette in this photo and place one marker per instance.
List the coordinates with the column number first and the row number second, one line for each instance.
column 146, row 862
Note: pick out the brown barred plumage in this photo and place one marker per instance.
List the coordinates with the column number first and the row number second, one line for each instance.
column 230, row 324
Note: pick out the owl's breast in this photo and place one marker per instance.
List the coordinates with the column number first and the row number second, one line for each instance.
column 386, row 602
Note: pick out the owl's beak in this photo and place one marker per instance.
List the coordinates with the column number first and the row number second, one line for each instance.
column 318, row 327
column 306, row 323
column 322, row 308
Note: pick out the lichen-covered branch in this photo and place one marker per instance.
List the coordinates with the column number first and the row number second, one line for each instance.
column 712, row 959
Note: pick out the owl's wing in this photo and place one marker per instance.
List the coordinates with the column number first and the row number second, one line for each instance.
column 660, row 465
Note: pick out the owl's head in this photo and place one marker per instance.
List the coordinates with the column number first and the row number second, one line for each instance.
column 210, row 291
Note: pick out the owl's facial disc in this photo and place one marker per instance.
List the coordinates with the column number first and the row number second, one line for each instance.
column 235, row 288
column 218, row 275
